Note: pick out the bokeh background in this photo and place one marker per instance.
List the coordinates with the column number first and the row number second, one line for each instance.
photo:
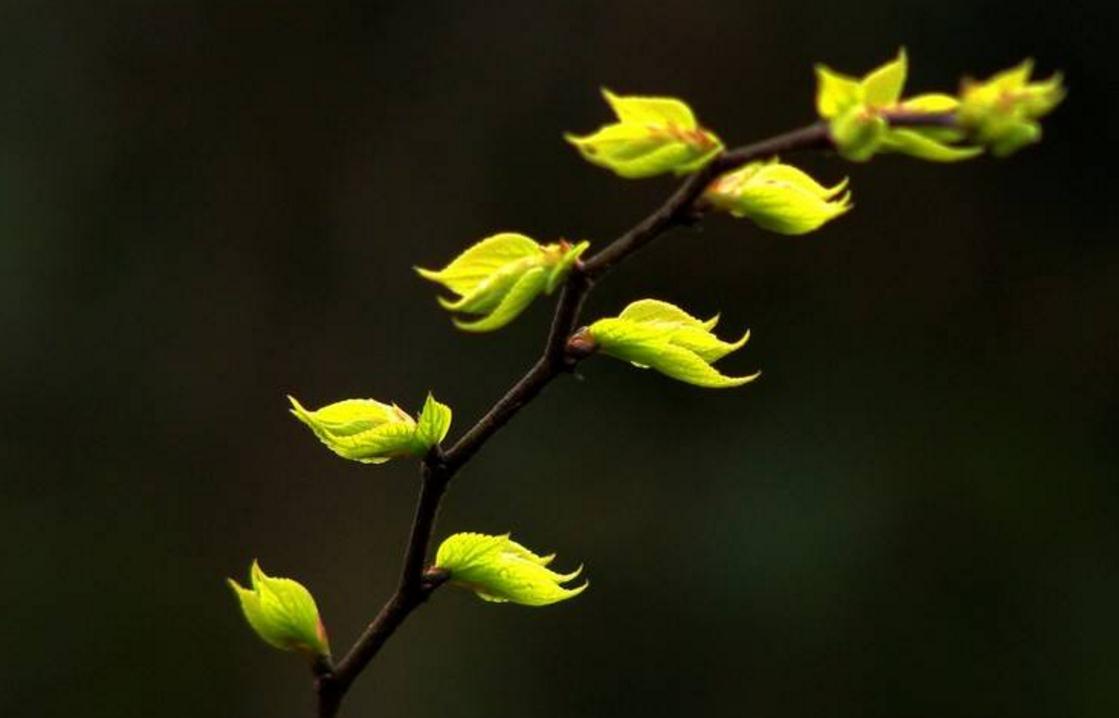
column 207, row 205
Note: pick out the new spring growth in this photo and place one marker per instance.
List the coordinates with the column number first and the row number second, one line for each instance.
column 778, row 197
column 1002, row 111
column 283, row 613
column 371, row 432
column 658, row 335
column 498, row 277
column 856, row 110
column 653, row 135
column 499, row 569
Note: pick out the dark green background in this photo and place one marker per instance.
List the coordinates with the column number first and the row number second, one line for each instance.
column 206, row 205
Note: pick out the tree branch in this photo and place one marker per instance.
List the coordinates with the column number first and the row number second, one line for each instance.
column 439, row 468
column 413, row 589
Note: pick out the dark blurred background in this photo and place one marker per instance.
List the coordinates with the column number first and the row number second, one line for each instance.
column 207, row 205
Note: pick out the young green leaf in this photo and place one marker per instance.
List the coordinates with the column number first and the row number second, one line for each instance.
column 778, row 197
column 858, row 133
column 282, row 612
column 882, row 86
column 835, row 92
column 654, row 334
column 433, row 424
column 500, row 570
column 481, row 261
column 857, row 112
column 514, row 300
column 371, row 432
column 924, row 146
column 653, row 135
column 500, row 276
column 1002, row 111
column 648, row 311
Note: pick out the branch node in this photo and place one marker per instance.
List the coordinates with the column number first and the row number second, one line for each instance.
column 433, row 578
column 579, row 346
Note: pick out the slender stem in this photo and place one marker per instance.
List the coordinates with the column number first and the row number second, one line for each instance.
column 552, row 362
column 911, row 118
column 438, row 468
column 413, row 589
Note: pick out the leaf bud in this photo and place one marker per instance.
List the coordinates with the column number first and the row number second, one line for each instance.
column 778, row 197
column 858, row 109
column 371, row 432
column 501, row 570
column 653, row 334
column 1002, row 111
column 497, row 278
column 653, row 135
column 283, row 613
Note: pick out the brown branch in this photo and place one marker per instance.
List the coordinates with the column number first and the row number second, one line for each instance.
column 439, row 468
column 912, row 118
column 413, row 589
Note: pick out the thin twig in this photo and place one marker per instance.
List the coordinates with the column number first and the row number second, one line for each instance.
column 439, row 468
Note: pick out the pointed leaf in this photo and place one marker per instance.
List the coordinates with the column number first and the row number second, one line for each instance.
column 433, row 423
column 481, row 260
column 835, row 92
column 377, row 445
column 706, row 345
column 361, row 429
column 652, row 111
column 500, row 570
column 282, row 612
column 654, row 310
column 883, row 86
column 686, row 366
column 658, row 335
column 931, row 102
column 564, row 266
column 916, row 144
column 524, row 290
column 347, row 417
column 858, row 134
column 788, row 175
column 778, row 197
column 653, row 135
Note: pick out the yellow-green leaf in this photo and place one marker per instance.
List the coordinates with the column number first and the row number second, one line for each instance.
column 371, row 432
column 645, row 311
column 513, row 301
column 569, row 256
column 688, row 366
column 1002, row 112
column 858, row 133
column 433, row 424
column 499, row 276
column 654, row 334
column 653, row 135
column 482, row 260
column 916, row 143
column 778, row 197
column 883, row 85
column 500, row 570
column 282, row 612
column 930, row 102
column 835, row 92
column 858, row 114
column 650, row 110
